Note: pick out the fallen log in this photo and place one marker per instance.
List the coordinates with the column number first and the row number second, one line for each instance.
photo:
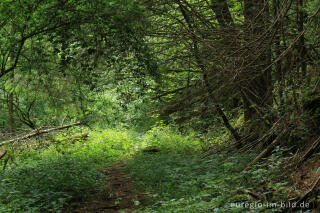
column 39, row 132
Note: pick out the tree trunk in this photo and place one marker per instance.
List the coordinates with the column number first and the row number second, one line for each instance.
column 11, row 107
column 259, row 85
column 302, row 49
column 221, row 10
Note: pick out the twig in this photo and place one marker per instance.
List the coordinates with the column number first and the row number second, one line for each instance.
column 266, row 150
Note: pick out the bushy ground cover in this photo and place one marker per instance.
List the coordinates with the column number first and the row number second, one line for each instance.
column 180, row 177
column 177, row 175
column 47, row 180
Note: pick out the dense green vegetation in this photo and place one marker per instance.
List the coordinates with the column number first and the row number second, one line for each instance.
column 207, row 103
column 178, row 178
column 45, row 180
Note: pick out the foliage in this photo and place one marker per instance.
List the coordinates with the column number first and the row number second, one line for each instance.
column 184, row 181
column 168, row 139
column 182, row 76
column 56, row 56
column 49, row 179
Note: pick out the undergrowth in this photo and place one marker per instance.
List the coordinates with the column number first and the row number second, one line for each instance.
column 189, row 183
column 178, row 177
column 47, row 180
column 183, row 178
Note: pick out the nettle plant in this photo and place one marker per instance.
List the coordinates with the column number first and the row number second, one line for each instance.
column 271, row 174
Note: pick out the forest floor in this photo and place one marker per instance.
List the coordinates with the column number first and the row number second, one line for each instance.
column 167, row 172
column 121, row 194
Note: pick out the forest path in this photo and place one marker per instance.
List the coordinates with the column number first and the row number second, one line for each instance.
column 121, row 196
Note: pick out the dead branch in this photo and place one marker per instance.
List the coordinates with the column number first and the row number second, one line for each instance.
column 39, row 132
column 267, row 149
column 308, row 194
column 172, row 91
column 309, row 151
column 3, row 152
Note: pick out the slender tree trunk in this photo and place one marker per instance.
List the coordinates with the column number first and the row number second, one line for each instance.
column 11, row 107
column 277, row 52
column 301, row 43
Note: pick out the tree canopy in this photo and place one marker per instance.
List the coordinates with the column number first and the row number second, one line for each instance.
column 247, row 71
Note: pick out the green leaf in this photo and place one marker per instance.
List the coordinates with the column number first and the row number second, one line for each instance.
column 136, row 202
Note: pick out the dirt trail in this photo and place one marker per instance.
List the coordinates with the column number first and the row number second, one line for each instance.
column 122, row 195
